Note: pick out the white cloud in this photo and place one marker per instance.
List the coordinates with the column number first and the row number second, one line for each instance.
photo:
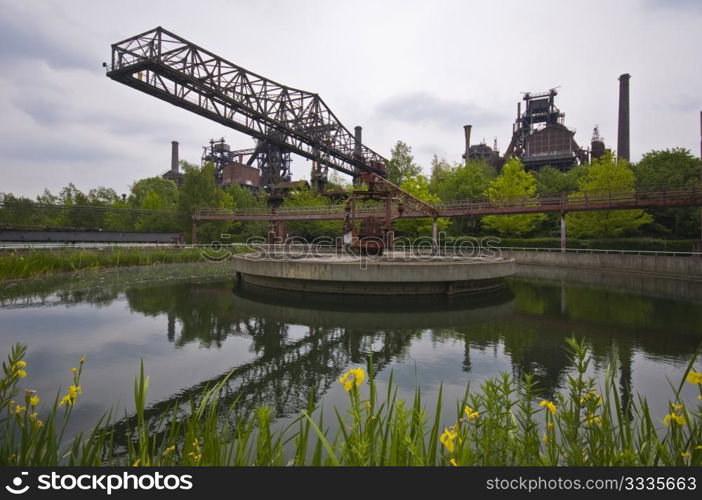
column 412, row 71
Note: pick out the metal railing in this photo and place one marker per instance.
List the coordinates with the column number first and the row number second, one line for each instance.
column 662, row 253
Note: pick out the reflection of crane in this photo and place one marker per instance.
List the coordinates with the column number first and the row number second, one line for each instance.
column 284, row 120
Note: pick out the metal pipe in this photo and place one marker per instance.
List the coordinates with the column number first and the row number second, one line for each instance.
column 623, row 130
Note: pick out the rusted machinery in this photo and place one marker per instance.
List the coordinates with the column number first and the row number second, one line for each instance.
column 374, row 234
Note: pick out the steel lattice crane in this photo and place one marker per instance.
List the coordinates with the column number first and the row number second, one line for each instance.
column 283, row 119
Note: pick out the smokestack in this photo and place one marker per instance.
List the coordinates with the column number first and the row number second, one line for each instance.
column 174, row 156
column 357, row 151
column 623, row 134
column 466, row 130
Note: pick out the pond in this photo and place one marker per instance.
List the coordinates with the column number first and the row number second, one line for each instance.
column 192, row 324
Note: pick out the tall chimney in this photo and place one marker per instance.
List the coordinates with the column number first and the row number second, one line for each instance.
column 466, row 130
column 623, row 135
column 174, row 156
column 358, row 141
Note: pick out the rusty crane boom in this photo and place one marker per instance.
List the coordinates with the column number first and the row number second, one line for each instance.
column 283, row 119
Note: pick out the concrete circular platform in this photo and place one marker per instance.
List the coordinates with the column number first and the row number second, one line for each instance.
column 391, row 274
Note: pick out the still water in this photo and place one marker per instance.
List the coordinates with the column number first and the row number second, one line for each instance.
column 191, row 325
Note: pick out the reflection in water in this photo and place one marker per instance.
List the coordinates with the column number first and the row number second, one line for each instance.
column 287, row 372
column 285, row 348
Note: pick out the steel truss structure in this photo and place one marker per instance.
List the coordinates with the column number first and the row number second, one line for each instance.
column 164, row 65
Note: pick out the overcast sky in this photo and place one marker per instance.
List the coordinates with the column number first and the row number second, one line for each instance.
column 411, row 71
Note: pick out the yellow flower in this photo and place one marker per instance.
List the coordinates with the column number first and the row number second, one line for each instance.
column 33, row 401
column 694, row 377
column 21, row 373
column 549, row 405
column 169, row 450
column 355, row 376
column 447, row 439
column 593, row 420
column 596, row 396
column 672, row 417
column 677, row 408
column 81, row 360
column 545, row 438
column 472, row 415
column 34, row 418
column 70, row 397
column 549, row 426
column 453, row 462
column 74, row 370
column 686, row 454
column 19, row 409
column 21, row 364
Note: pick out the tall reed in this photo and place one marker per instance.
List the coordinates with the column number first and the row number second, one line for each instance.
column 505, row 422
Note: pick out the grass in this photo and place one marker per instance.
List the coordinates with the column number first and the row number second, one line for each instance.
column 505, row 422
column 25, row 264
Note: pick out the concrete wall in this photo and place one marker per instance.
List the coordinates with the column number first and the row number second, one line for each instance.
column 681, row 267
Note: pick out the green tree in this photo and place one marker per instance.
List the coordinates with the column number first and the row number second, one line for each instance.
column 418, row 186
column 401, row 165
column 153, row 219
column 244, row 198
column 465, row 182
column 667, row 168
column 166, row 189
column 337, row 181
column 512, row 185
column 603, row 175
column 102, row 197
column 552, row 182
column 310, row 229
column 119, row 218
column 200, row 191
column 440, row 170
column 670, row 168
column 461, row 182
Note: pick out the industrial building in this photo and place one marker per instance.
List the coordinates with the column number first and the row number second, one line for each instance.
column 540, row 136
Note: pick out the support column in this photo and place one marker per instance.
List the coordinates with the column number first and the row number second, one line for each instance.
column 563, row 232
column 194, row 239
column 435, row 233
column 388, row 233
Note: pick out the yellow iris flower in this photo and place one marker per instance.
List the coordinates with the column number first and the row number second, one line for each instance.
column 694, row 377
column 447, row 439
column 676, row 419
column 472, row 415
column 355, row 376
column 550, row 405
